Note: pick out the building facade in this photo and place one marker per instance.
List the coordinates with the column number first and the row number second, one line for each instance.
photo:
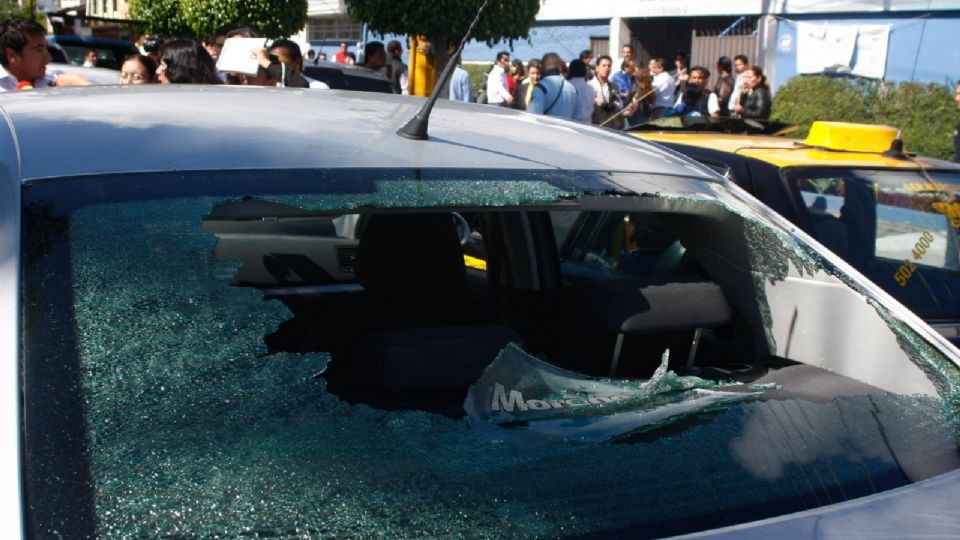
column 898, row 40
column 109, row 9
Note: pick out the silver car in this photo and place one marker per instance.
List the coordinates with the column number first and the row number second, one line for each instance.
column 249, row 312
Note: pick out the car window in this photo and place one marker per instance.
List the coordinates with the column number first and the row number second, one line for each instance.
column 897, row 226
column 619, row 244
column 343, row 79
column 717, row 166
column 368, row 84
column 563, row 223
column 305, row 353
column 57, row 55
column 107, row 57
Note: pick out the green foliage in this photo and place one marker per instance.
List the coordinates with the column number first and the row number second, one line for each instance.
column 448, row 19
column 12, row 8
column 476, row 72
column 274, row 18
column 925, row 112
column 927, row 115
column 162, row 17
column 200, row 18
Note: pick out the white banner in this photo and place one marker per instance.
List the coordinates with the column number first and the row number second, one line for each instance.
column 824, row 46
column 844, row 48
column 872, row 41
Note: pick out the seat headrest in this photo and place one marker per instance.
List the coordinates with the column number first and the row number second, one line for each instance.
column 410, row 255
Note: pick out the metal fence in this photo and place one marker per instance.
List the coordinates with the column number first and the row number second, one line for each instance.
column 707, row 49
column 599, row 46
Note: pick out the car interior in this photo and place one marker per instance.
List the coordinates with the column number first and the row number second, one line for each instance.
column 602, row 293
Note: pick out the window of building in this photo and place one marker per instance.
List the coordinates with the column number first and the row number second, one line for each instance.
column 334, row 28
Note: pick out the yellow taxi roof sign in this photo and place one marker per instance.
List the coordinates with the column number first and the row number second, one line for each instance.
column 851, row 137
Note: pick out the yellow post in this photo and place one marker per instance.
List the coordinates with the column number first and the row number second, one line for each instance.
column 423, row 71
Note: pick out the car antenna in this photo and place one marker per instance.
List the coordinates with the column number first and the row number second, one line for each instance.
column 896, row 147
column 416, row 128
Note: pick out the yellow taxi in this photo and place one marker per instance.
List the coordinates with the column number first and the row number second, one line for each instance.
column 893, row 215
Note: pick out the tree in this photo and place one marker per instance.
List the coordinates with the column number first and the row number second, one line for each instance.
column 200, row 18
column 444, row 22
column 924, row 111
column 162, row 16
column 27, row 10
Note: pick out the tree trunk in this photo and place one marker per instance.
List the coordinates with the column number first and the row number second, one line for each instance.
column 441, row 55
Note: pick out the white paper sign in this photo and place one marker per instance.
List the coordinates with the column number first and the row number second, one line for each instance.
column 822, row 46
column 872, row 41
column 525, row 399
column 238, row 55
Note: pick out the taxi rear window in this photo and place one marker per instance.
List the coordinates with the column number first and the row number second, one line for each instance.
column 898, row 227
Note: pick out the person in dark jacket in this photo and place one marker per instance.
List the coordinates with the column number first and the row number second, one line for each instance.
column 696, row 99
column 185, row 61
column 725, row 84
column 524, row 93
column 755, row 101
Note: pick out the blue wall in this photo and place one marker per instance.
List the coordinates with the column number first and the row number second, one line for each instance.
column 922, row 49
column 566, row 40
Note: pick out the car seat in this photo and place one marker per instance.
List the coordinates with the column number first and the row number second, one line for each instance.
column 830, row 230
column 414, row 338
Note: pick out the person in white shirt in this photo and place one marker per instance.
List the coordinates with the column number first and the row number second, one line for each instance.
column 497, row 93
column 607, row 99
column 740, row 65
column 90, row 58
column 25, row 57
column 664, row 85
column 697, row 99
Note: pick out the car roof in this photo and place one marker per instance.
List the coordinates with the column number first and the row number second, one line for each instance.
column 141, row 128
column 96, row 75
column 786, row 152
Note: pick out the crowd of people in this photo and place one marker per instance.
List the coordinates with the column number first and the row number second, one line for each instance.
column 581, row 90
column 183, row 61
column 593, row 92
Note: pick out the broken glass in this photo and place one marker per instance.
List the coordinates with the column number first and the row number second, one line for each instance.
column 189, row 428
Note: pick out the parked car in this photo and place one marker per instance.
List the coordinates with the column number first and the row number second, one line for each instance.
column 71, row 49
column 346, row 77
column 234, row 312
column 93, row 74
column 893, row 216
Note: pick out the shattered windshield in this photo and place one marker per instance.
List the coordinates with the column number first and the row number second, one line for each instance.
column 458, row 354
